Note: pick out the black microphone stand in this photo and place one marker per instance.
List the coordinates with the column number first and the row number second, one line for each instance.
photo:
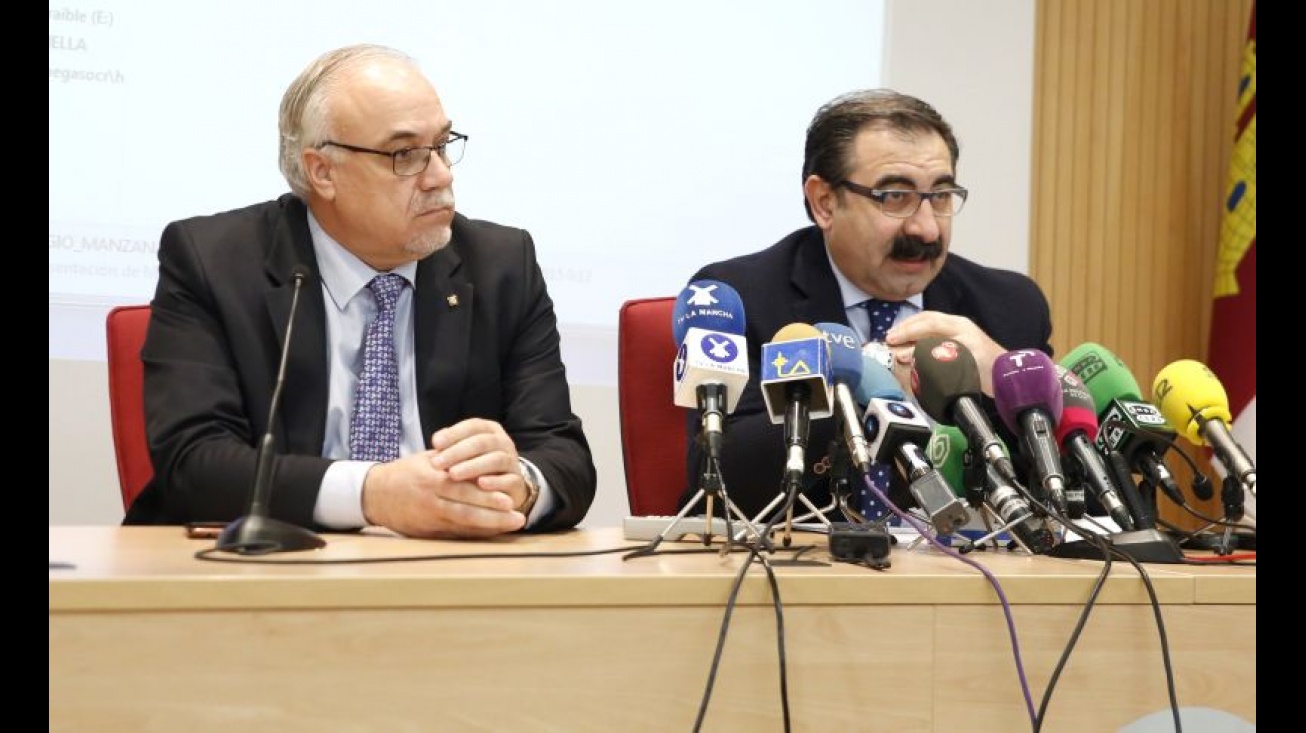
column 256, row 533
column 711, row 484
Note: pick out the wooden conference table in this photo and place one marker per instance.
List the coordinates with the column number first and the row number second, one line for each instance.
column 146, row 637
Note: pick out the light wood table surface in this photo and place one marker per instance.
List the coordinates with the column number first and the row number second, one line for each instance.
column 146, row 637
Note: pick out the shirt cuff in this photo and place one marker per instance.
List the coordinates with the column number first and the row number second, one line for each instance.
column 340, row 497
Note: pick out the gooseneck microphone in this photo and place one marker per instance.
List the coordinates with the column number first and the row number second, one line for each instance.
column 1075, row 432
column 256, row 533
column 1028, row 398
column 1193, row 401
column 946, row 381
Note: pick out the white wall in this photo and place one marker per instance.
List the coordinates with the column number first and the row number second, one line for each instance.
column 971, row 60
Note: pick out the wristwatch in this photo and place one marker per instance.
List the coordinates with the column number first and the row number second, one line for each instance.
column 532, row 491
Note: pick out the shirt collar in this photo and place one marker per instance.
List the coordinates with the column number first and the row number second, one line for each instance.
column 343, row 274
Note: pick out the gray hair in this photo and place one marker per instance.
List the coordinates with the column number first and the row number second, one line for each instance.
column 834, row 128
column 304, row 120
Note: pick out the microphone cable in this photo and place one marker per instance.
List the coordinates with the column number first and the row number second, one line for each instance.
column 1199, row 480
column 928, row 534
column 1108, row 551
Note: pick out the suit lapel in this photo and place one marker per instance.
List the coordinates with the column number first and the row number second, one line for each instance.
column 442, row 319
column 302, row 425
column 818, row 298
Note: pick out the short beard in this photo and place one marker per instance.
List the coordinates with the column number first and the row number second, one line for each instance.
column 429, row 244
column 912, row 249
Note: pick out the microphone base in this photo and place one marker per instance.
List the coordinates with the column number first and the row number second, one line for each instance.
column 259, row 535
column 1143, row 545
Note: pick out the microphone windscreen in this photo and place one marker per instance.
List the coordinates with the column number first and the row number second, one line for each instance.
column 947, row 451
column 845, row 352
column 1187, row 390
column 796, row 332
column 943, row 370
column 1103, row 373
column 1025, row 379
column 797, row 355
column 710, row 305
column 877, row 381
column 1077, row 409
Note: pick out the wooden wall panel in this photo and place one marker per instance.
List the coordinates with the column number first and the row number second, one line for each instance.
column 1134, row 106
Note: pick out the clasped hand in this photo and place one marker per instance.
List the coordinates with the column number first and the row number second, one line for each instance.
column 466, row 485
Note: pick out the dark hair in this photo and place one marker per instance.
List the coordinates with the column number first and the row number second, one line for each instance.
column 828, row 150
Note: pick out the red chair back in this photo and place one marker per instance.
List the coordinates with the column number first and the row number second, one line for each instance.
column 652, row 427
column 125, row 331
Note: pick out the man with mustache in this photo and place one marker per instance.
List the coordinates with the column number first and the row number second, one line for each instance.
column 880, row 185
column 424, row 390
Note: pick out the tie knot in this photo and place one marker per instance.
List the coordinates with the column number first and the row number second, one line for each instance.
column 386, row 288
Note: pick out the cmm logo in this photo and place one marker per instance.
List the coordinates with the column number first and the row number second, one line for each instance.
column 702, row 295
column 718, row 348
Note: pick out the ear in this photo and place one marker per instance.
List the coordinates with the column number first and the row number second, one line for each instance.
column 822, row 198
column 319, row 171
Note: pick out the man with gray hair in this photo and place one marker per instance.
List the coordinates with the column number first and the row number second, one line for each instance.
column 424, row 389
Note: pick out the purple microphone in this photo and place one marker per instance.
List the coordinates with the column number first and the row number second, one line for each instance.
column 1029, row 400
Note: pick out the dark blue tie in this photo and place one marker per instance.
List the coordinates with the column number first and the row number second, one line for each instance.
column 374, row 428
column 882, row 313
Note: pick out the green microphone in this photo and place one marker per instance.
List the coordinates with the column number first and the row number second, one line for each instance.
column 979, row 483
column 949, row 453
column 1140, row 432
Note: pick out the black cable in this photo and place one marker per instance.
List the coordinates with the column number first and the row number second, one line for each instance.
column 1108, row 550
column 754, row 553
column 208, row 554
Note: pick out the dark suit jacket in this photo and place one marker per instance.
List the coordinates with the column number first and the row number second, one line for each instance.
column 791, row 282
column 219, row 318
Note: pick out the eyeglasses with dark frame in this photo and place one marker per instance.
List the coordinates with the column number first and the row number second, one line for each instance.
column 902, row 203
column 412, row 161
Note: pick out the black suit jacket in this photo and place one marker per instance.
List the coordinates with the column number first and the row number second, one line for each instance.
column 792, row 282
column 219, row 318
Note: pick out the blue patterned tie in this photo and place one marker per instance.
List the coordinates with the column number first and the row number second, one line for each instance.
column 374, row 428
column 882, row 314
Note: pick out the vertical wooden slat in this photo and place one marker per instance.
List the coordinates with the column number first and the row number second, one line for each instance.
column 1132, row 204
column 1134, row 103
column 1114, row 188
